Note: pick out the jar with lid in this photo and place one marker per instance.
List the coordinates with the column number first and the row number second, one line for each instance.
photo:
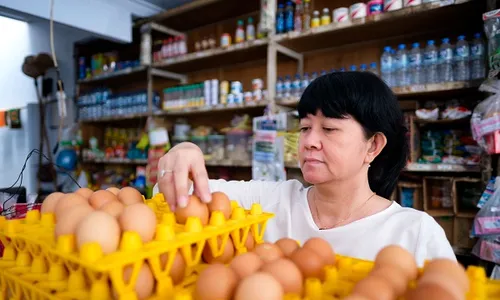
column 216, row 146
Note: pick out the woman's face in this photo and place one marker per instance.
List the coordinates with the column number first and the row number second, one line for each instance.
column 331, row 149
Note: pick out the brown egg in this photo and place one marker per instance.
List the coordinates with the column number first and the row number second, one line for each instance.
column 195, row 208
column 224, row 258
column 287, row 274
column 309, row 263
column 392, row 275
column 139, row 218
column 374, row 288
column 84, row 192
column 287, row 246
column 144, row 285
column 259, row 286
column 430, row 292
column 220, row 202
column 114, row 208
column 101, row 228
column 398, row 257
column 99, row 198
column 129, row 195
column 216, row 282
column 355, row 297
column 68, row 222
column 50, row 202
column 445, row 281
column 268, row 252
column 178, row 269
column 450, row 269
column 322, row 248
column 113, row 190
column 68, row 201
column 246, row 264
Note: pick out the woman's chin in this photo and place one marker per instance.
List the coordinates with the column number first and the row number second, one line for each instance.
column 312, row 177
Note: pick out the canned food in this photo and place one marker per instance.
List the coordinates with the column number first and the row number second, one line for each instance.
column 390, row 5
column 236, row 87
column 248, row 97
column 412, row 3
column 340, row 15
column 357, row 10
column 257, row 84
column 375, row 7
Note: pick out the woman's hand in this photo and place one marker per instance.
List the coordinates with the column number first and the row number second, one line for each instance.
column 175, row 169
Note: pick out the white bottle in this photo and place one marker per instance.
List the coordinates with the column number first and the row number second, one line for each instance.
column 250, row 30
column 446, row 61
column 462, row 56
column 431, row 62
column 402, row 66
column 415, row 64
column 182, row 46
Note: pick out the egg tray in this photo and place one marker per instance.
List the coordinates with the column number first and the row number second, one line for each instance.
column 35, row 265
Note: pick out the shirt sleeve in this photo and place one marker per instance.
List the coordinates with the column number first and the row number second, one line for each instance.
column 432, row 242
column 245, row 193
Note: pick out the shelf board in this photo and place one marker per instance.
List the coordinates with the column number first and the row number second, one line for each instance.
column 117, row 161
column 416, row 167
column 212, row 58
column 228, row 163
column 116, row 118
column 113, row 75
column 467, row 214
column 211, row 109
column 412, row 90
column 442, row 121
column 419, row 18
column 440, row 213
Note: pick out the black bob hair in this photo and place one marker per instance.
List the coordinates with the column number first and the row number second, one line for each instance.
column 366, row 98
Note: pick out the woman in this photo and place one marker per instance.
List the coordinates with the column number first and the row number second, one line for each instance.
column 352, row 148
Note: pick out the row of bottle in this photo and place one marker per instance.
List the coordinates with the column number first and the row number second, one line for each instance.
column 171, row 47
column 294, row 88
column 446, row 63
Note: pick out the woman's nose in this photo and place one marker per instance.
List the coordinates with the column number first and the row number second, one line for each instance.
column 312, row 140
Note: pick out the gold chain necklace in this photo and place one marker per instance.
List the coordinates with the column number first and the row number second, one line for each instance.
column 342, row 220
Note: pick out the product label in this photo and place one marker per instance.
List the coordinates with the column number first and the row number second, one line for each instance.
column 446, row 54
column 386, row 63
column 415, row 59
column 403, row 61
column 430, row 57
column 477, row 50
column 375, row 8
column 462, row 51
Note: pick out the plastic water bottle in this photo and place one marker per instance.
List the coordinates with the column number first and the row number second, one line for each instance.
column 342, row 70
column 304, row 83
column 353, row 68
column 446, row 61
column 373, row 68
column 462, row 55
column 415, row 65
column 287, row 87
column 363, row 67
column 314, row 76
column 323, row 72
column 279, row 88
column 478, row 63
column 431, row 62
column 280, row 19
column 289, row 20
column 296, row 86
column 402, row 66
column 386, row 66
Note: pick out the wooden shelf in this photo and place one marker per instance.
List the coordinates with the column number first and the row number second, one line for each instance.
column 440, row 213
column 113, row 75
column 212, row 109
column 117, row 161
column 212, row 58
column 442, row 121
column 416, row 167
column 421, row 18
column 467, row 214
column 116, row 118
column 228, row 163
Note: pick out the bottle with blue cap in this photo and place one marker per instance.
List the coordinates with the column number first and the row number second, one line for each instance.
column 478, row 63
column 402, row 66
column 363, row 67
column 296, row 86
column 353, row 68
column 446, row 61
column 279, row 87
column 462, row 56
column 374, row 69
column 304, row 83
column 431, row 62
column 386, row 66
column 415, row 65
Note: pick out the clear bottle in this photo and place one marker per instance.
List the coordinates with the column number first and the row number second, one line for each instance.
column 313, row 76
column 306, row 16
column 363, row 67
column 342, row 70
column 280, row 19
column 431, row 62
column 287, row 86
column 304, row 83
column 289, row 19
column 298, row 17
column 386, row 66
column 353, row 68
column 250, row 30
column 240, row 33
column 323, row 72
column 175, row 47
column 478, row 63
column 446, row 61
column 182, row 45
column 462, row 56
column 326, row 18
column 296, row 86
column 402, row 66
column 279, row 87
column 316, row 20
column 374, row 69
column 415, row 65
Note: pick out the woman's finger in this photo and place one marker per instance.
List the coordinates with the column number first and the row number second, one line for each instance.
column 166, row 184
column 181, row 181
column 200, row 182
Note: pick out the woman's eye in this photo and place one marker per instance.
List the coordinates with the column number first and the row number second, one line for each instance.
column 327, row 129
column 303, row 129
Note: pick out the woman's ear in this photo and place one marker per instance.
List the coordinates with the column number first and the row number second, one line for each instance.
column 376, row 144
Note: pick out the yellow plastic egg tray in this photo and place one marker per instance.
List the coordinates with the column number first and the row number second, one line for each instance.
column 36, row 266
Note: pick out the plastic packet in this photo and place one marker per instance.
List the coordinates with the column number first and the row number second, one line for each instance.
column 487, row 220
column 485, row 121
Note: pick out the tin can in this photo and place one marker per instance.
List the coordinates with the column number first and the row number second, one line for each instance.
column 408, row 3
column 238, row 98
column 248, row 97
column 257, row 84
column 357, row 10
column 257, row 95
column 375, row 7
column 224, row 87
column 236, row 87
column 340, row 15
column 225, row 40
column 230, row 99
column 390, row 5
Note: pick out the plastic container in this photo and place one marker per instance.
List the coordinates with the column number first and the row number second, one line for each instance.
column 201, row 141
column 238, row 145
column 216, row 146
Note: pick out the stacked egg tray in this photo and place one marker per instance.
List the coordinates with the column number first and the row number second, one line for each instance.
column 35, row 265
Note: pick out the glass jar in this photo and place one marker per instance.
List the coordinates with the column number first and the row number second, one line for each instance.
column 200, row 141
column 238, row 145
column 216, row 146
